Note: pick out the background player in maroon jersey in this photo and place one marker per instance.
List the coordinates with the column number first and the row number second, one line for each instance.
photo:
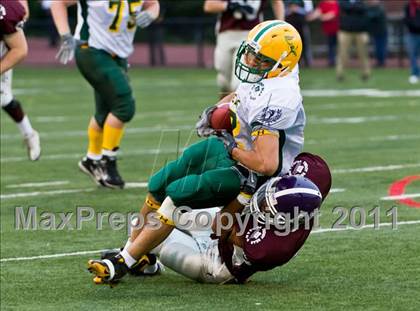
column 13, row 49
column 235, row 19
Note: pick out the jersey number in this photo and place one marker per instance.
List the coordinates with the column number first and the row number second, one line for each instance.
column 117, row 7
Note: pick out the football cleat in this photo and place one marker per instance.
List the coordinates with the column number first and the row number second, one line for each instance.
column 111, row 178
column 92, row 168
column 33, row 145
column 151, row 267
column 108, row 271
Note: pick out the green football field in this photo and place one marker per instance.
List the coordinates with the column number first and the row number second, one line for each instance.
column 369, row 133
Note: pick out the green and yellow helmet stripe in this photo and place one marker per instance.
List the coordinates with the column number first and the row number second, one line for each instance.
column 260, row 34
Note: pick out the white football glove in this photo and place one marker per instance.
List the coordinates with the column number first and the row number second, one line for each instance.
column 144, row 19
column 67, row 47
column 203, row 125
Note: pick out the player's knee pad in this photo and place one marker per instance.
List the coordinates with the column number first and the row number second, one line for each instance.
column 125, row 109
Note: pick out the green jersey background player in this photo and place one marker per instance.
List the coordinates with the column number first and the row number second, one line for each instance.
column 102, row 42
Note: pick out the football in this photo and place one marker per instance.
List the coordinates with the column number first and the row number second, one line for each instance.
column 221, row 118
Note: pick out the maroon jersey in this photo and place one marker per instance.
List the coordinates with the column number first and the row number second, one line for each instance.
column 227, row 20
column 264, row 249
column 11, row 17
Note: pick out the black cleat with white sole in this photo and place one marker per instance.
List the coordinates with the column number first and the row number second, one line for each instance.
column 93, row 169
column 111, row 178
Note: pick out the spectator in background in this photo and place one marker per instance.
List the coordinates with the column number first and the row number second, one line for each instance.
column 235, row 19
column 377, row 30
column 327, row 12
column 412, row 21
column 353, row 27
column 297, row 14
column 49, row 23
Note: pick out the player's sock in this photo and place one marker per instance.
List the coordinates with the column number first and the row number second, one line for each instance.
column 129, row 260
column 127, row 244
column 111, row 140
column 25, row 127
column 15, row 111
column 95, row 144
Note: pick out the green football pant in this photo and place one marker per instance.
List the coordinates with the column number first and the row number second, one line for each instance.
column 202, row 177
column 107, row 75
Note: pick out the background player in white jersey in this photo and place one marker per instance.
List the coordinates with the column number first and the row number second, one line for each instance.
column 13, row 49
column 102, row 42
column 267, row 135
column 235, row 19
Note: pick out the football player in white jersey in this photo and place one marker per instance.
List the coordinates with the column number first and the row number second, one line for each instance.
column 102, row 42
column 267, row 135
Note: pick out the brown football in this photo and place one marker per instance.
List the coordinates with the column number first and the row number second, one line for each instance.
column 221, row 118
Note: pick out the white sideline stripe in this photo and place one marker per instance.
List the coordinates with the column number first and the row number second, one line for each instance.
column 133, row 185
column 385, row 224
column 413, row 222
column 400, row 197
column 69, row 156
column 52, row 256
column 39, row 184
column 157, row 151
column 39, row 193
column 351, row 120
column 129, row 185
column 361, row 92
column 175, row 128
column 374, row 168
column 133, row 130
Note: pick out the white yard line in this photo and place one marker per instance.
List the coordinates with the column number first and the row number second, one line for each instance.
column 385, row 224
column 350, row 120
column 374, row 168
column 69, row 156
column 361, row 92
column 133, row 130
column 337, row 190
column 41, row 193
column 132, row 185
column 40, row 184
column 80, row 253
column 400, row 197
column 143, row 184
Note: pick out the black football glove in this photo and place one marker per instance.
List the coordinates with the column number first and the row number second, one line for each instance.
column 203, row 125
column 228, row 140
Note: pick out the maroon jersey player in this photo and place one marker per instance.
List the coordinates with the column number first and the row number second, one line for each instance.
column 263, row 249
column 13, row 49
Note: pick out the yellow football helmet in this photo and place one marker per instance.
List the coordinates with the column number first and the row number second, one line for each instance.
column 272, row 49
